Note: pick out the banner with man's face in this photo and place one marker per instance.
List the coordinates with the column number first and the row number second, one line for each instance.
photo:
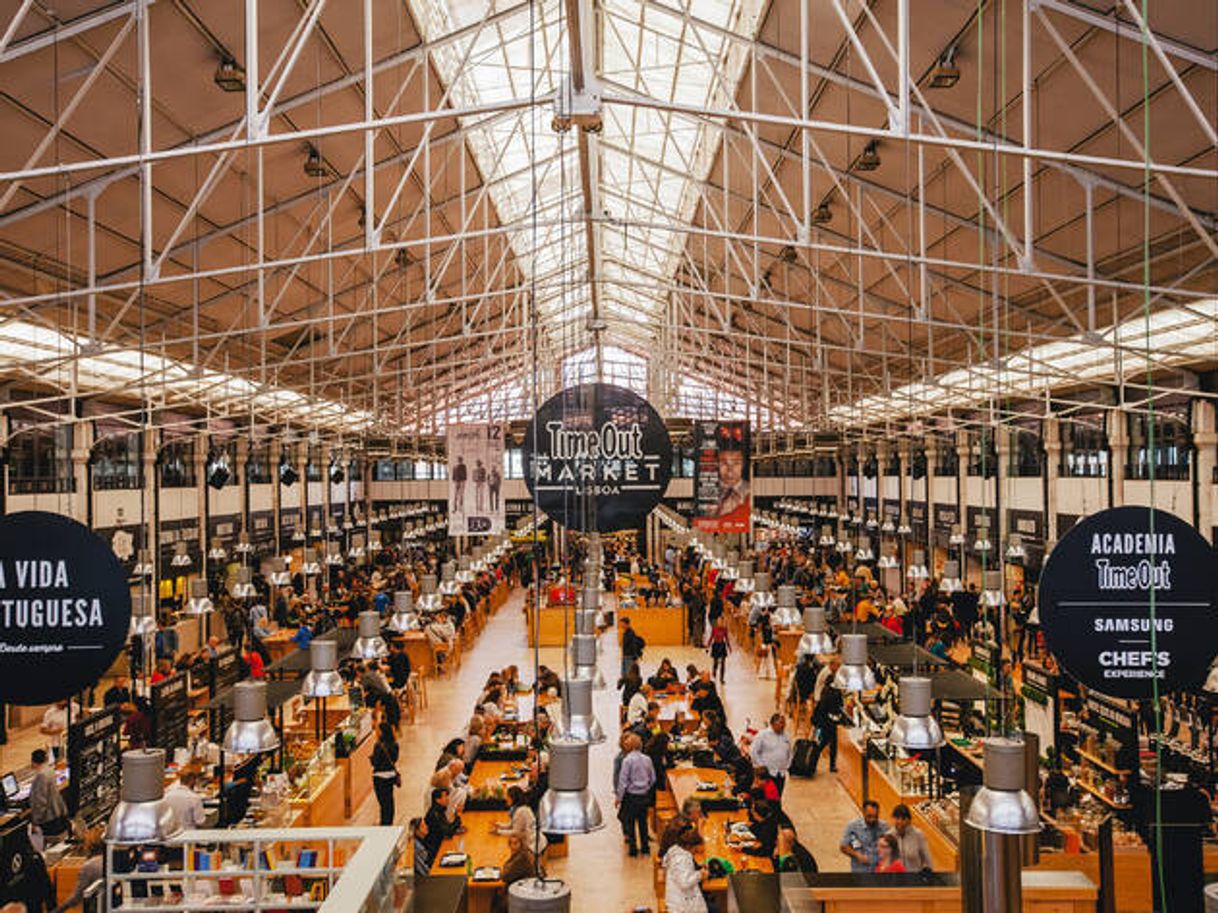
column 723, row 495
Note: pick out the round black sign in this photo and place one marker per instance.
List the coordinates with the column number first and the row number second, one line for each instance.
column 597, row 458
column 1095, row 601
column 65, row 608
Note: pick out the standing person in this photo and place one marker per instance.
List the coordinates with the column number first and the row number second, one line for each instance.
column 90, row 873
column 826, row 717
column 385, row 776
column 460, row 474
column 632, row 646
column 772, row 750
column 479, row 485
column 522, row 823
column 888, row 857
column 634, row 783
column 185, row 802
column 719, row 649
column 683, row 876
column 912, row 848
column 861, row 836
column 48, row 811
column 494, row 480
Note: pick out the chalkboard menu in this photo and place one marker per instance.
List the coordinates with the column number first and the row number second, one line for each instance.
column 225, row 672
column 170, row 712
column 1121, row 720
column 93, row 759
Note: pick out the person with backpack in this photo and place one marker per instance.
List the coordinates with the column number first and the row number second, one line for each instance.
column 632, row 646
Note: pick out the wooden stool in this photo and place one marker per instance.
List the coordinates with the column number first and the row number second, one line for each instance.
column 440, row 659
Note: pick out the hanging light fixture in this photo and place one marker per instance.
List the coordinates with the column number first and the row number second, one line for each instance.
column 577, row 721
column 843, row 545
column 982, row 544
column 744, row 578
column 868, row 159
column 334, row 554
column 871, row 524
column 143, row 618
column 887, row 527
column 450, row 578
column 142, row 814
column 817, row 638
column 464, row 573
column 916, row 729
column 278, row 574
column 310, row 566
column 786, row 614
column 429, row 599
column 217, row 551
column 951, row 582
column 1002, row 806
column 957, row 536
column 369, row 644
column 583, row 658
column 1015, row 549
column 356, row 552
column 322, row 679
column 143, row 564
column 991, row 592
column 762, row 597
column 731, row 568
column 243, row 546
column 903, row 528
column 199, row 603
column 888, row 560
column 374, row 541
column 567, row 806
column 945, row 73
column 826, row 536
column 250, row 732
column 404, row 618
column 854, row 674
column 243, row 586
column 917, row 570
column 864, row 552
column 229, row 75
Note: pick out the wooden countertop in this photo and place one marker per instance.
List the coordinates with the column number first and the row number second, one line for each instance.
column 683, row 782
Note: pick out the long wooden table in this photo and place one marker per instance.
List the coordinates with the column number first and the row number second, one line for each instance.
column 683, row 781
column 485, row 847
column 660, row 627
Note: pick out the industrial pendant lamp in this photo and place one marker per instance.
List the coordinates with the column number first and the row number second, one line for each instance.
column 478, row 560
column 583, row 655
column 243, row 546
column 567, row 806
column 854, row 674
column 762, row 597
column 577, row 721
column 917, row 570
column 731, row 568
column 864, row 552
column 143, row 619
column 817, row 638
column 1015, row 549
column 181, row 557
column 310, row 566
column 786, row 614
column 374, row 541
column 404, row 618
column 991, row 594
column 951, row 582
column 142, row 814
column 334, row 554
column 199, row 603
column 957, row 536
column 451, row 579
column 216, row 552
column 429, row 599
column 250, row 732
column 982, row 545
column 1002, row 805
column 323, row 679
column 826, row 536
column 243, row 587
column 888, row 560
column 887, row 527
column 143, row 564
column 916, row 729
column 279, row 575
column 369, row 644
column 744, row 578
column 465, row 573
column 903, row 528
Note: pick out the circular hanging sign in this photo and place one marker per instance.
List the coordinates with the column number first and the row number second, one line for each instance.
column 1095, row 598
column 65, row 608
column 597, row 458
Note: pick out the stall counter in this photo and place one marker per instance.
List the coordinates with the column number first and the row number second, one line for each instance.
column 659, row 627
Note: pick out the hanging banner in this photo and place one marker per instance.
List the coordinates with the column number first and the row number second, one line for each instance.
column 723, row 497
column 597, row 458
column 475, row 479
column 65, row 608
column 1096, row 596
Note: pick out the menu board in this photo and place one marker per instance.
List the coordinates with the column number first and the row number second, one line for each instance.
column 170, row 712
column 94, row 762
column 225, row 672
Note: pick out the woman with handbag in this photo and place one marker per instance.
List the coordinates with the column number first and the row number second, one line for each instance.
column 385, row 776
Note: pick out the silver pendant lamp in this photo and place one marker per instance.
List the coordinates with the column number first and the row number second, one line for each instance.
column 817, row 638
column 917, row 570
column 951, row 582
column 278, row 575
column 143, row 564
column 451, row 579
column 334, row 554
column 369, row 644
column 404, row 618
column 143, row 616
column 250, row 732
column 577, row 721
column 568, row 807
column 465, row 573
column 199, row 603
column 786, row 614
column 142, row 814
column 854, row 674
column 1002, row 805
column 243, row 586
column 762, row 597
column 323, row 679
column 310, row 566
column 744, row 578
column 181, row 557
column 429, row 599
column 916, row 729
column 243, row 546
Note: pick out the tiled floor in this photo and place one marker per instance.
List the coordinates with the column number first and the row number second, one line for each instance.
column 601, row 875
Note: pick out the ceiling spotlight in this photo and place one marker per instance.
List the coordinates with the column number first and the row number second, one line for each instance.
column 822, row 215
column 945, row 74
column 315, row 165
column 869, row 158
column 229, row 75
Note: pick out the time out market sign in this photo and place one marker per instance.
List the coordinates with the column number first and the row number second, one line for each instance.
column 597, row 458
column 1129, row 597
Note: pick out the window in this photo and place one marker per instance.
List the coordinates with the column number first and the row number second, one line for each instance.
column 982, row 454
column 422, row 469
column 1026, row 460
column 439, row 470
column 1168, row 450
column 355, row 470
column 917, row 469
column 619, row 367
column 513, row 463
column 1084, row 450
column 117, row 462
column 824, row 467
column 947, row 461
column 178, row 463
column 40, row 458
column 313, row 467
column 258, row 464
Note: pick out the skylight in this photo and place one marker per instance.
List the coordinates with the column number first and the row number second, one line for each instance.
column 1174, row 336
